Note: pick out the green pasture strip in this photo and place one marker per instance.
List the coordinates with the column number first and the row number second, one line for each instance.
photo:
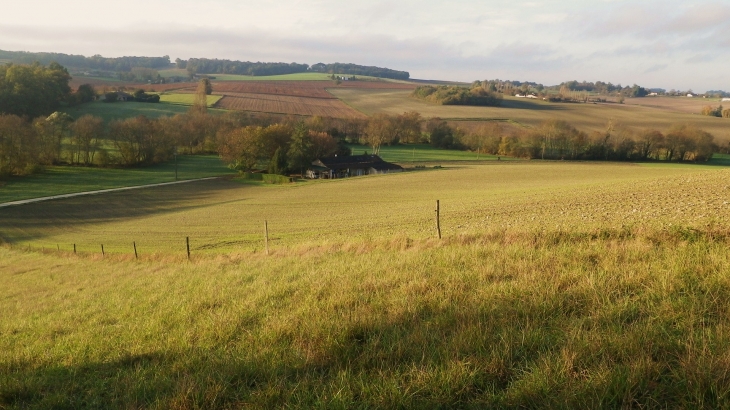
column 718, row 160
column 187, row 99
column 66, row 180
column 405, row 154
column 503, row 319
column 131, row 109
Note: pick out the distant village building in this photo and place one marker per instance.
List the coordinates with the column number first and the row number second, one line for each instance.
column 350, row 166
column 725, row 99
column 652, row 94
column 690, row 95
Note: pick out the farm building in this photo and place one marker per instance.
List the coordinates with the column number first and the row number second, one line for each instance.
column 350, row 166
column 121, row 96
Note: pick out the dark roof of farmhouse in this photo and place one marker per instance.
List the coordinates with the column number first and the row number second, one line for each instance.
column 355, row 161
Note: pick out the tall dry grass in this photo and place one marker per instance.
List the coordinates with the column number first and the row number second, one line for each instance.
column 504, row 319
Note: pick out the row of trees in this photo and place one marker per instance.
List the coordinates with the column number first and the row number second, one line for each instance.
column 96, row 62
column 354, row 69
column 142, row 74
column 569, row 90
column 454, row 95
column 33, row 90
column 215, row 66
column 556, row 139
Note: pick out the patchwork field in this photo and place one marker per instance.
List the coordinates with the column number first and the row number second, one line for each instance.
column 556, row 285
column 586, row 117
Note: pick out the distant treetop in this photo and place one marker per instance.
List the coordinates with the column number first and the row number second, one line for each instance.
column 95, row 62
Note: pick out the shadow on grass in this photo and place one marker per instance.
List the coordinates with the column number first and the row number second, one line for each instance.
column 506, row 356
column 70, row 213
column 533, row 106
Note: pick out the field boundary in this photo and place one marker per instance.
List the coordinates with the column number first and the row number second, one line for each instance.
column 100, row 191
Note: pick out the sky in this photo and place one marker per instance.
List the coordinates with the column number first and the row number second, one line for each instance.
column 667, row 44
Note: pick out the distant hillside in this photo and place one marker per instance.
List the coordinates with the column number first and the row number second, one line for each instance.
column 354, row 69
column 96, row 62
column 216, row 66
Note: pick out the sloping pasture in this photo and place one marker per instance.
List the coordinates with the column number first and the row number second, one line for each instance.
column 226, row 216
column 555, row 286
column 585, row 117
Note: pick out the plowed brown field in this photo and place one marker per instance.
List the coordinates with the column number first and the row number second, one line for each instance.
column 285, row 104
column 311, row 89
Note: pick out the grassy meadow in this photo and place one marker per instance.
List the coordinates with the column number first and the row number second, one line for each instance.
column 530, row 113
column 66, row 179
column 415, row 154
column 187, row 99
column 124, row 110
column 556, row 285
column 227, row 216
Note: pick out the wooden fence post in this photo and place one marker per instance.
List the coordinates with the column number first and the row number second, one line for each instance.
column 102, row 250
column 74, row 249
column 266, row 236
column 187, row 244
column 135, row 249
column 438, row 219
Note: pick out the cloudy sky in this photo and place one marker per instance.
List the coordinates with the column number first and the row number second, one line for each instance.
column 667, row 43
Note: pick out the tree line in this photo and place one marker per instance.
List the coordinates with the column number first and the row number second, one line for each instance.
column 354, row 69
column 557, row 139
column 215, row 66
column 289, row 144
column 96, row 62
column 455, row 95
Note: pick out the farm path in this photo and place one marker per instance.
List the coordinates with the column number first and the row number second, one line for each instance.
column 100, row 191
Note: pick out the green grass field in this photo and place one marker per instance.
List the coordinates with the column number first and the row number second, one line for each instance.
column 504, row 195
column 409, row 154
column 528, row 113
column 556, row 285
column 123, row 110
column 66, row 180
column 187, row 99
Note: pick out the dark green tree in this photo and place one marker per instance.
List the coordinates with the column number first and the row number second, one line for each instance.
column 299, row 153
column 278, row 164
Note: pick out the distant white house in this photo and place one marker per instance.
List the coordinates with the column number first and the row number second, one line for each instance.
column 690, row 95
column 726, row 99
column 652, row 94
column 519, row 96
column 531, row 96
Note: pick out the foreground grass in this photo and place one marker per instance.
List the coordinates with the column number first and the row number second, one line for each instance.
column 504, row 319
column 66, row 180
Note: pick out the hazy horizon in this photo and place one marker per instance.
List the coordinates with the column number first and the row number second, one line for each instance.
column 651, row 43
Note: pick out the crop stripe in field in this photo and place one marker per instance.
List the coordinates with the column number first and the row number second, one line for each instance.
column 101, row 191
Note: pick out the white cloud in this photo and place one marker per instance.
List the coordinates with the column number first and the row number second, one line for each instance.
column 651, row 42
